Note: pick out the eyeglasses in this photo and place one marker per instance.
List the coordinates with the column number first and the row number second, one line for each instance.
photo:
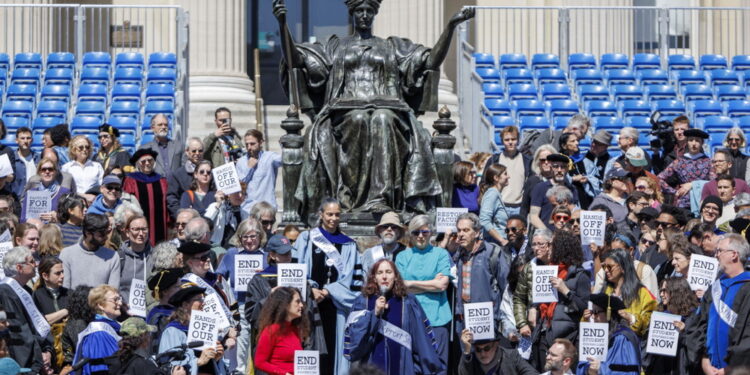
column 561, row 217
column 105, row 135
column 143, row 229
column 249, row 237
column 539, row 244
column 710, row 208
column 204, row 172
column 202, row 258
column 720, row 250
column 115, row 188
column 423, row 232
column 146, row 161
column 718, row 161
column 609, row 267
column 559, row 166
column 641, row 187
column 115, row 300
column 733, row 139
column 664, row 224
column 482, row 349
column 29, row 263
column 47, row 169
column 543, row 161
column 575, row 221
column 513, row 229
column 648, row 242
column 180, row 224
column 83, row 147
column 267, row 222
column 196, row 151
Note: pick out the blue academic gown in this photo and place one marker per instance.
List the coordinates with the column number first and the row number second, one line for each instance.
column 717, row 335
column 343, row 291
column 623, row 356
column 363, row 342
column 99, row 344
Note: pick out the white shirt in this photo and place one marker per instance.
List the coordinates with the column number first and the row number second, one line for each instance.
column 86, row 176
column 29, row 163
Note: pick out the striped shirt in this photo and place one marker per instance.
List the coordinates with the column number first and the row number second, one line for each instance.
column 71, row 234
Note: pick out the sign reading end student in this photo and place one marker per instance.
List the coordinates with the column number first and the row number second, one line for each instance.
column 662, row 334
column 445, row 218
column 226, row 178
column 702, row 272
column 480, row 320
column 593, row 341
column 293, row 275
column 306, row 362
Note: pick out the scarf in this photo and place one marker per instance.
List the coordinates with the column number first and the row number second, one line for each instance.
column 178, row 325
column 336, row 238
column 548, row 309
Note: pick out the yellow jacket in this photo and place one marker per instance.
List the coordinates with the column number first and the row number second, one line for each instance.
column 640, row 308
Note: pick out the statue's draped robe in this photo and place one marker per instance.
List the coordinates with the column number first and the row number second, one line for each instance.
column 365, row 146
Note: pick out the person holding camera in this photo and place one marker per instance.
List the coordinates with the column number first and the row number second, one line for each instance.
column 223, row 145
column 672, row 141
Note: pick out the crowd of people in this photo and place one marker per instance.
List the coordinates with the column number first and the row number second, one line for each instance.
column 121, row 226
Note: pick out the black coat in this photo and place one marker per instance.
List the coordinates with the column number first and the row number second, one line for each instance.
column 569, row 311
column 25, row 345
column 510, row 361
column 137, row 364
column 177, row 183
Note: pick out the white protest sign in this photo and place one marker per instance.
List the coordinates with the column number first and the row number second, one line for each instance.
column 702, row 271
column 293, row 275
column 4, row 248
column 245, row 267
column 480, row 320
column 226, row 178
column 542, row 290
column 662, row 334
column 137, row 298
column 445, row 218
column 5, row 168
column 593, row 341
column 593, row 224
column 203, row 327
column 306, row 362
column 212, row 305
column 38, row 202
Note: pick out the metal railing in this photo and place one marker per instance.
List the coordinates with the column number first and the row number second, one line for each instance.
column 75, row 28
column 595, row 30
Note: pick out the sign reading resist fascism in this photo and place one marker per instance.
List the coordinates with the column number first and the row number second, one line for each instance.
column 662, row 334
column 306, row 362
column 293, row 275
column 445, row 218
column 592, row 227
column 137, row 300
column 593, row 341
column 203, row 327
column 542, row 290
column 480, row 320
column 226, row 178
column 245, row 267
column 702, row 272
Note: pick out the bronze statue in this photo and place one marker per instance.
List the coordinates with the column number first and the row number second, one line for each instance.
column 363, row 94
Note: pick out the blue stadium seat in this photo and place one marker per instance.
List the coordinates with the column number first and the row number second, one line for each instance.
column 587, row 77
column 485, row 60
column 724, row 77
column 610, row 124
column 544, row 61
column 630, row 108
column 562, row 107
column 43, row 123
column 59, row 76
column 619, row 77
column 581, row 61
column 744, row 123
column 626, row 92
column 130, row 60
column 91, row 108
column 517, row 75
column 61, row 60
column 131, row 76
column 145, row 138
column 688, row 77
column 159, row 106
column 521, row 91
column 555, row 91
column 730, row 92
column 533, row 122
column 592, row 92
column 614, row 61
column 499, row 122
column 498, row 107
column 31, row 60
column 712, row 124
column 704, row 108
column 680, row 62
column 668, row 107
column 160, row 92
column 489, row 75
column 715, row 140
column 28, row 76
column 512, row 61
column 544, row 76
column 644, row 139
column 600, row 108
column 97, row 93
column 660, row 92
column 697, row 92
column 710, row 62
column 18, row 108
column 4, row 61
column 21, row 92
column 737, row 108
column 125, row 109
column 95, row 76
column 491, row 90
column 55, row 92
column 741, row 62
column 127, row 141
column 652, row 77
column 561, row 122
column 584, row 145
column 52, row 108
column 126, row 92
column 646, row 61
column 162, row 60
column 523, row 108
column 13, row 123
column 85, row 125
column 126, row 125
column 639, row 122
column 97, row 60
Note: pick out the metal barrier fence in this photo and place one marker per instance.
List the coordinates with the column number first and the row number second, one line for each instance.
column 75, row 28
column 595, row 30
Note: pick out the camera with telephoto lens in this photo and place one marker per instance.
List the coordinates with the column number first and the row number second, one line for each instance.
column 663, row 131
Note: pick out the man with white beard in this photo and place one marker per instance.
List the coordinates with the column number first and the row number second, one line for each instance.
column 390, row 230
column 169, row 151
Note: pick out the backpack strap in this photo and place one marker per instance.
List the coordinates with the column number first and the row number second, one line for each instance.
column 191, row 194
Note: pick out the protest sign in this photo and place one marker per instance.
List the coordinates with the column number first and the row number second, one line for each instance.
column 203, row 327
column 245, row 267
column 212, row 305
column 38, row 202
column 593, row 341
column 592, row 227
column 306, row 362
column 4, row 248
column 702, row 271
column 293, row 275
column 480, row 320
column 226, row 178
column 5, row 168
column 137, row 298
column 662, row 334
column 445, row 218
column 542, row 290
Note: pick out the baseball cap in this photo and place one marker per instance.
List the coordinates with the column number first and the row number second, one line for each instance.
column 636, row 156
column 111, row 179
column 278, row 244
column 134, row 326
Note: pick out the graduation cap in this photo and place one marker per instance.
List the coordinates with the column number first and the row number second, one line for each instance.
column 164, row 279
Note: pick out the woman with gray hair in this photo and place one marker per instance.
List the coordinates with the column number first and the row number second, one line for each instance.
column 523, row 311
column 426, row 273
column 542, row 170
column 735, row 142
column 165, row 255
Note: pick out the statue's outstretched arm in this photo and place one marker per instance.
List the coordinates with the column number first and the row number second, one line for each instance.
column 287, row 41
column 437, row 56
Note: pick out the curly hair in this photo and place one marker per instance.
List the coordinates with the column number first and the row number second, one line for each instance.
column 566, row 249
column 682, row 300
column 128, row 345
column 78, row 304
column 275, row 309
column 371, row 287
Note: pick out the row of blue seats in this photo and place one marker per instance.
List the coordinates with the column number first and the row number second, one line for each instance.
column 553, row 108
column 90, row 59
column 91, row 92
column 612, row 61
column 21, row 113
column 65, row 76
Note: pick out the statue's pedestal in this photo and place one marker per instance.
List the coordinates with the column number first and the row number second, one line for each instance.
column 361, row 227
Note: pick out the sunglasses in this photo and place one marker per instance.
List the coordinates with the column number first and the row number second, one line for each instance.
column 482, row 349
column 648, row 242
column 560, row 217
column 47, row 169
column 113, row 187
column 417, row 233
column 390, row 226
column 146, row 161
column 82, row 148
column 204, row 172
column 663, row 224
column 512, row 229
column 609, row 267
column 641, row 187
column 202, row 258
column 267, row 222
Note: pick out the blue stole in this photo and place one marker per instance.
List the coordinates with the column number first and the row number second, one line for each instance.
column 717, row 335
column 387, row 353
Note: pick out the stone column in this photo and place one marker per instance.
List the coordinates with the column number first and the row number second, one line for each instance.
column 218, row 63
